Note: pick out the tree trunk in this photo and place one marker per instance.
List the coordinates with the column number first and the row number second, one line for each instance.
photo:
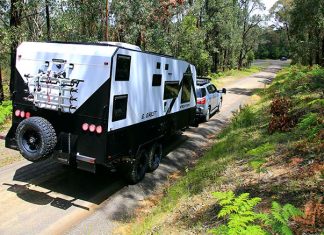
column 15, row 21
column 240, row 60
column 1, row 87
column 107, row 20
column 214, row 69
column 322, row 62
column 48, row 24
column 225, row 60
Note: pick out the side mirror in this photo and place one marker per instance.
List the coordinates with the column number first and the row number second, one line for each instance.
column 224, row 90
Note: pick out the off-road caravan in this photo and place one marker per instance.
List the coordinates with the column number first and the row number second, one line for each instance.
column 98, row 104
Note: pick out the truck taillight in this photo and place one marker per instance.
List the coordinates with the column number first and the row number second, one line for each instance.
column 27, row 115
column 201, row 100
column 99, row 129
column 17, row 113
column 22, row 114
column 92, row 128
column 85, row 126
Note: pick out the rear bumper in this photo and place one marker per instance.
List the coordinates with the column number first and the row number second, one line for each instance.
column 201, row 112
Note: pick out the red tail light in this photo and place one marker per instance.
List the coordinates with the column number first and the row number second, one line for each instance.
column 99, row 129
column 201, row 100
column 28, row 115
column 85, row 126
column 92, row 128
column 17, row 113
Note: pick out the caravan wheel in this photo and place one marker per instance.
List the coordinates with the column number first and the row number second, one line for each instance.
column 137, row 170
column 154, row 157
column 36, row 138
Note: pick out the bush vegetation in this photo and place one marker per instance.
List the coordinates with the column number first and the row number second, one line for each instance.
column 248, row 139
column 5, row 111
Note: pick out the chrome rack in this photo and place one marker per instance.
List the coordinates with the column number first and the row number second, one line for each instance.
column 53, row 91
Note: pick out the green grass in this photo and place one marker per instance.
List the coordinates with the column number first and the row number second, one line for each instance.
column 247, row 139
column 235, row 73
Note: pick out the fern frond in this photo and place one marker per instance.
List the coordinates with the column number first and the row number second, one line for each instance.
column 255, row 230
column 292, row 211
column 236, row 221
column 285, row 230
column 263, row 217
column 227, row 210
column 224, row 198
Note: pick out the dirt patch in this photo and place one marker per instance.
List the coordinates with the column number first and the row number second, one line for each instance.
column 7, row 156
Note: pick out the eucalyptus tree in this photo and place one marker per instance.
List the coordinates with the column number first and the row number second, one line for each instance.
column 250, row 27
column 303, row 21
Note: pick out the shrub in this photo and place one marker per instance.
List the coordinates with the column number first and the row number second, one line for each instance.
column 5, row 111
column 239, row 213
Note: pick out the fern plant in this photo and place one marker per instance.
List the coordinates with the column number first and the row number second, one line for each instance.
column 279, row 217
column 239, row 212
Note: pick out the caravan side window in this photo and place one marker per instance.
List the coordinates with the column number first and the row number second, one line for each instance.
column 119, row 107
column 157, row 79
column 186, row 88
column 171, row 90
column 123, row 68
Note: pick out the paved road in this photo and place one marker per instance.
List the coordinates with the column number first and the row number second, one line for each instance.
column 49, row 198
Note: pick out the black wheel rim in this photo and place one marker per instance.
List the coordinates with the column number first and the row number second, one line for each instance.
column 31, row 141
column 141, row 167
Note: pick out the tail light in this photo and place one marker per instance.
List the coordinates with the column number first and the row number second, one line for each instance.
column 92, row 128
column 99, row 129
column 28, row 115
column 85, row 126
column 17, row 113
column 22, row 114
column 201, row 100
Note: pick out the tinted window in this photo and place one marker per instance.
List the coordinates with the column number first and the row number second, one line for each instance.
column 158, row 65
column 201, row 92
column 157, row 78
column 123, row 68
column 166, row 66
column 211, row 89
column 171, row 90
column 120, row 107
column 186, row 88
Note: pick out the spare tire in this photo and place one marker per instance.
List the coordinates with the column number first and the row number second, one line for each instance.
column 36, row 138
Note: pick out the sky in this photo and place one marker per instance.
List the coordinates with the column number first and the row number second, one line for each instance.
column 268, row 3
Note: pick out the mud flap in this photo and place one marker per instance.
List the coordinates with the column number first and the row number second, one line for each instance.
column 10, row 140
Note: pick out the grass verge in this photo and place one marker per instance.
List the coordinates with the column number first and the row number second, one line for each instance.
column 231, row 75
column 269, row 155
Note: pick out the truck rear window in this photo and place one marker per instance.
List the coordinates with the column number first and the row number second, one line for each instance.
column 201, row 92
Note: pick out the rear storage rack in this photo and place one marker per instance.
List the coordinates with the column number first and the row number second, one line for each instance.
column 53, row 91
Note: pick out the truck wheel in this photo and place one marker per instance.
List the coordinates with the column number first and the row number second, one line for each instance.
column 154, row 157
column 207, row 117
column 137, row 170
column 36, row 138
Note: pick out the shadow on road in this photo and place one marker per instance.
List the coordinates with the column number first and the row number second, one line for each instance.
column 48, row 178
column 242, row 91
